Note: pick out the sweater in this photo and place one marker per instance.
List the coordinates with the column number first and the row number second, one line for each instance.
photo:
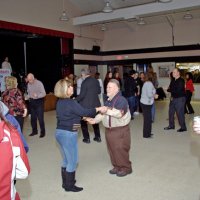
column 148, row 92
column 118, row 114
column 189, row 86
column 69, row 113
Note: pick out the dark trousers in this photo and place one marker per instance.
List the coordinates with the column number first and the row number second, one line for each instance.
column 85, row 132
column 118, row 142
column 177, row 105
column 37, row 112
column 147, row 124
column 188, row 106
column 20, row 120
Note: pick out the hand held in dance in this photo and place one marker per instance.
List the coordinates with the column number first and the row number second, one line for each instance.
column 102, row 109
column 90, row 120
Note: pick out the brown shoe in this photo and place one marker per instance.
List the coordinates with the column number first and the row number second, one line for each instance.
column 113, row 171
column 123, row 173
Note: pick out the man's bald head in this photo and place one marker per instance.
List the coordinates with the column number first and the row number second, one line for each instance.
column 30, row 78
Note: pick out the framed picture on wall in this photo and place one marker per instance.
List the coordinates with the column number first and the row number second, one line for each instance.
column 164, row 71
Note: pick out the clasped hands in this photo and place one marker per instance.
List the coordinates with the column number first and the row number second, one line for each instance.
column 102, row 110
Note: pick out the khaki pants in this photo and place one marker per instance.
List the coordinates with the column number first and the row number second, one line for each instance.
column 118, row 143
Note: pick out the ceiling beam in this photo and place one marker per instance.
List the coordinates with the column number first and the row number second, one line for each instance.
column 135, row 11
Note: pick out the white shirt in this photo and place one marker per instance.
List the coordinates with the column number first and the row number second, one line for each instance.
column 101, row 85
column 79, row 82
column 6, row 65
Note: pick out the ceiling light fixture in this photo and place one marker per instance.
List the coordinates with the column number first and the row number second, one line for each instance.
column 141, row 21
column 164, row 1
column 187, row 16
column 103, row 27
column 64, row 16
column 108, row 8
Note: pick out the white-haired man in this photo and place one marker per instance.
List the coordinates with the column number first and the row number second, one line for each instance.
column 36, row 93
column 116, row 117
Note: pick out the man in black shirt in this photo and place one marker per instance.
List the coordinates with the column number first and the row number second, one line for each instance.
column 177, row 101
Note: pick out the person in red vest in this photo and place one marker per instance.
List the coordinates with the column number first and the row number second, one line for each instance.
column 189, row 87
column 13, row 159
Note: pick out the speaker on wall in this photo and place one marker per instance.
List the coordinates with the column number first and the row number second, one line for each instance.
column 96, row 49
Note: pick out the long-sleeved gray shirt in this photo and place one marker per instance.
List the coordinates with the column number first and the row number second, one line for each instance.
column 148, row 92
column 36, row 90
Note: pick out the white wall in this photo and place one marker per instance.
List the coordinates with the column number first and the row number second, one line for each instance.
column 46, row 13
column 155, row 35
column 78, row 68
column 196, row 94
column 163, row 81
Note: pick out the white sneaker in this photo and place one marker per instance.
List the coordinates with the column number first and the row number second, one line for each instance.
column 136, row 113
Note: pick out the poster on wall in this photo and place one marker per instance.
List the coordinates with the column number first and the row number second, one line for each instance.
column 3, row 74
column 163, row 71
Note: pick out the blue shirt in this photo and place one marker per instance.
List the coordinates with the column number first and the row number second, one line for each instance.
column 69, row 113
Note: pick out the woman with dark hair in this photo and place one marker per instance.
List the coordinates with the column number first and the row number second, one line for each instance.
column 117, row 77
column 189, row 87
column 141, row 83
column 108, row 77
column 146, row 101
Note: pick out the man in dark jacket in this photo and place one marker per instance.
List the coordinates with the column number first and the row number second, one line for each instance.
column 130, row 90
column 89, row 98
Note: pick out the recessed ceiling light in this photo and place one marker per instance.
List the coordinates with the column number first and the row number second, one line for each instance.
column 141, row 21
column 103, row 27
column 164, row 1
column 188, row 15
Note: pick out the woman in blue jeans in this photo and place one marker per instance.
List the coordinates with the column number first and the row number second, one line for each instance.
column 69, row 114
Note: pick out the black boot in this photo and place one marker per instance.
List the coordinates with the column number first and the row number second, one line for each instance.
column 63, row 174
column 70, row 183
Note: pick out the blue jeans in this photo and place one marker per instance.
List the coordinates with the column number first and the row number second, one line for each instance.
column 131, row 103
column 136, row 104
column 68, row 142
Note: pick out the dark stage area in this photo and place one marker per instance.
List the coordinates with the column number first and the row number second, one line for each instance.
column 40, row 55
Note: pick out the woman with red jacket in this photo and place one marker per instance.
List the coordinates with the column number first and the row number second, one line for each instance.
column 13, row 159
column 189, row 87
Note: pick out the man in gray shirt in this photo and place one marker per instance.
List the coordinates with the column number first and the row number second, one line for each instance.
column 36, row 94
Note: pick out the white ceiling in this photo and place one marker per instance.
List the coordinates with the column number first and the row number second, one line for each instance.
column 128, row 11
column 94, row 6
